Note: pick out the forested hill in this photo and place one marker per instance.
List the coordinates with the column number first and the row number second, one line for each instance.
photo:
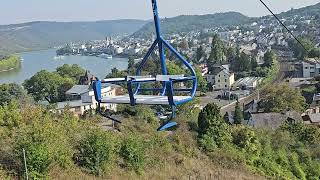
column 41, row 34
column 313, row 10
column 198, row 22
column 187, row 23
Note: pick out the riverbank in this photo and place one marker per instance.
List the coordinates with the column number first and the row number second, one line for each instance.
column 10, row 63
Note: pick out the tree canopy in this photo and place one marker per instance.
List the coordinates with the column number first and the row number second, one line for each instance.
column 282, row 98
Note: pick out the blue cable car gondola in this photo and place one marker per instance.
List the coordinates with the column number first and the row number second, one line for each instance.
column 167, row 92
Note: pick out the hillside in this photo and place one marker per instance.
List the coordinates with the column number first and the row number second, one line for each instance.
column 305, row 11
column 187, row 23
column 197, row 22
column 39, row 35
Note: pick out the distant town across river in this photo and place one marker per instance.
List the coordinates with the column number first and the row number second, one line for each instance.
column 33, row 62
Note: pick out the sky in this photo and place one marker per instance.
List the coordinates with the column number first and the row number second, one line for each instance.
column 17, row 11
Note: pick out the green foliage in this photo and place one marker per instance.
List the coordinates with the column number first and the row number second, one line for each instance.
column 217, row 53
column 208, row 117
column 96, row 151
column 213, row 131
column 269, row 58
column 302, row 52
column 45, row 86
column 9, row 92
column 10, row 115
column 12, row 62
column 200, row 53
column 115, row 73
column 46, row 143
column 174, row 69
column 245, row 139
column 202, row 82
column 133, row 152
column 71, row 71
column 282, row 98
column 238, row 114
column 241, row 63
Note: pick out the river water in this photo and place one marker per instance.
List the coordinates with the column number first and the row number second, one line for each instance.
column 36, row 61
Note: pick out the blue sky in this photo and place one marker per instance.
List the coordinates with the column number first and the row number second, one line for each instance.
column 16, row 11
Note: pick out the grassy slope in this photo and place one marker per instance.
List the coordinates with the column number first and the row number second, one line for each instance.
column 181, row 159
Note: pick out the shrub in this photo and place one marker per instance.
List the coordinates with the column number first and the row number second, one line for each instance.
column 132, row 151
column 96, row 151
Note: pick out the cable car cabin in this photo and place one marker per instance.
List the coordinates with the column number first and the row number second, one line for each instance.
column 167, row 92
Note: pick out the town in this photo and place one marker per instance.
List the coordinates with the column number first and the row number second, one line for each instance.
column 235, row 62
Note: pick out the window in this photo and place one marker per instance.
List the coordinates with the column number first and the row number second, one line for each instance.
column 219, row 80
column 225, row 80
column 306, row 68
column 225, row 86
column 311, row 67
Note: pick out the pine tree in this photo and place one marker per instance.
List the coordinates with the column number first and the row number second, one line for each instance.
column 238, row 115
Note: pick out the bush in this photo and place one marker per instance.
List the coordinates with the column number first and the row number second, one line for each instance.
column 96, row 150
column 10, row 115
column 46, row 143
column 132, row 151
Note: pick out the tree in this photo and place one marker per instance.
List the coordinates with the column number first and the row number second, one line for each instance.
column 314, row 53
column 45, row 86
column 71, row 71
column 202, row 82
column 9, row 92
column 281, row 98
column 212, row 130
column 115, row 73
column 207, row 118
column 254, row 64
column 199, row 54
column 231, row 54
column 301, row 52
column 269, row 58
column 131, row 65
column 241, row 63
column 184, row 45
column 216, row 55
column 238, row 114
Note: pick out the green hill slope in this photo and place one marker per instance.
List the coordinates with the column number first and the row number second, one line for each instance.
column 187, row 23
column 38, row 35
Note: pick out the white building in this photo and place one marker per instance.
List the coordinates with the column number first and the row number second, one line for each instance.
column 221, row 78
column 310, row 68
column 82, row 99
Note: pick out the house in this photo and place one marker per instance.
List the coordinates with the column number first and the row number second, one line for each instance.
column 81, row 99
column 221, row 77
column 87, row 79
column 272, row 120
column 312, row 119
column 310, row 68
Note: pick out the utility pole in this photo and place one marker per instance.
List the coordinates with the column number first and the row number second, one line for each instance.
column 25, row 163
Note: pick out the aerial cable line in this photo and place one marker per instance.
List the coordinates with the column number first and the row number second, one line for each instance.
column 265, row 5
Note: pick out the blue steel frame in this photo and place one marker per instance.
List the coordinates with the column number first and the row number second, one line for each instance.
column 161, row 43
column 167, row 88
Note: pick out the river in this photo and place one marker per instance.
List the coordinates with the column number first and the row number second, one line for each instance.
column 36, row 61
